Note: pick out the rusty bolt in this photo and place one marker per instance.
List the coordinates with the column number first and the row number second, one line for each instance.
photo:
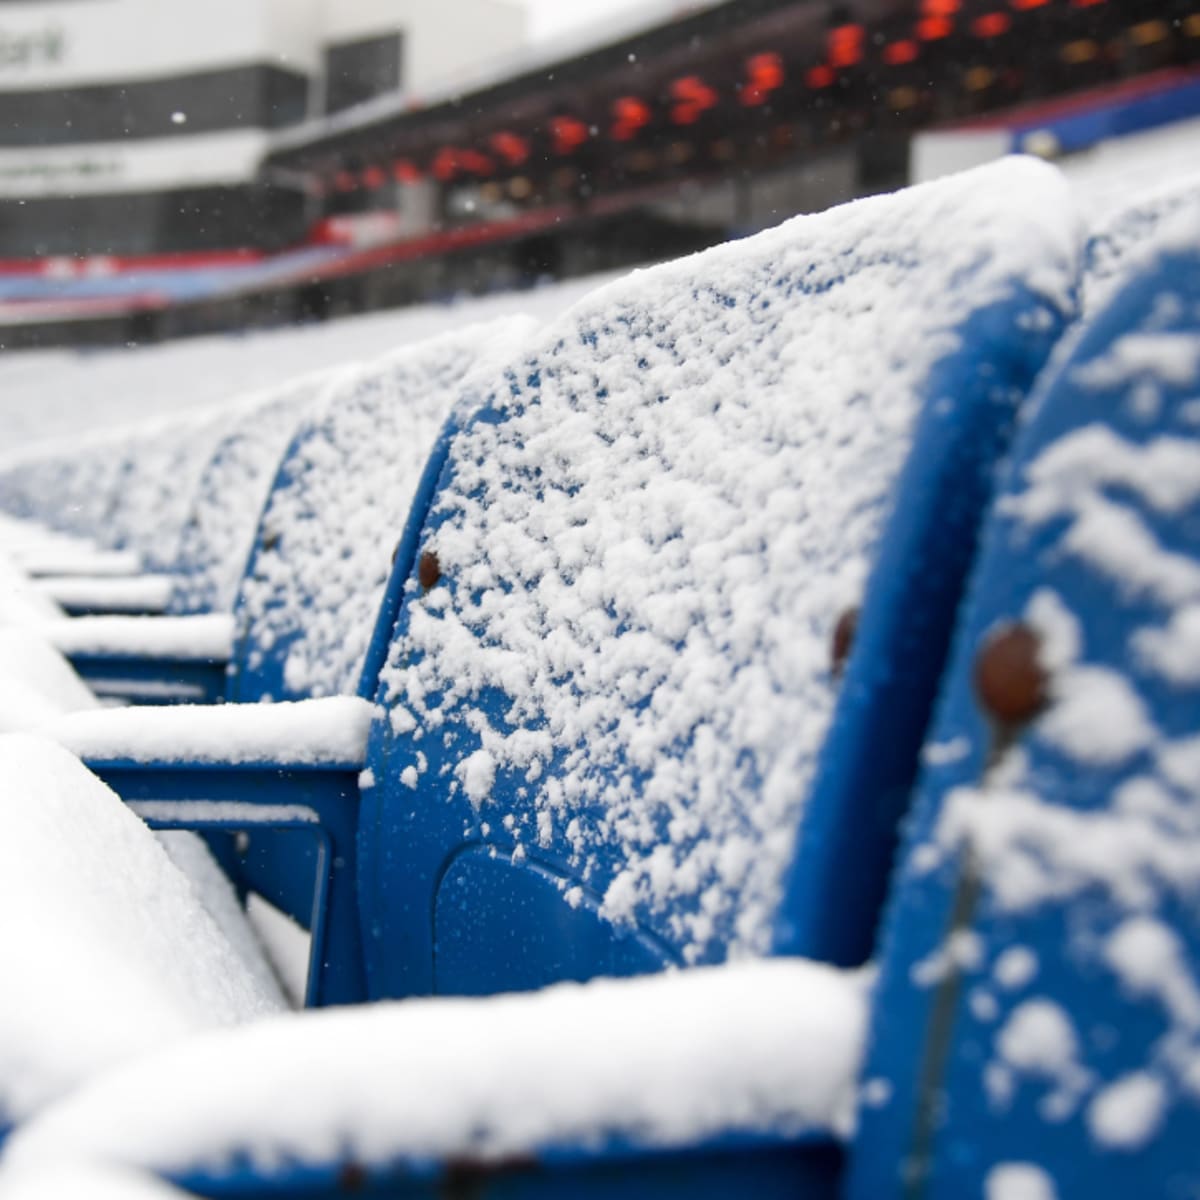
column 351, row 1177
column 843, row 640
column 429, row 570
column 1010, row 681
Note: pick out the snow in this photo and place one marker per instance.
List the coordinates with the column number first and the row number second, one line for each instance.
column 1127, row 1113
column 78, row 560
column 751, row 1047
column 1015, row 967
column 217, row 536
column 1134, row 226
column 286, row 944
column 328, row 731
column 20, row 602
column 48, row 397
column 122, row 957
column 36, row 683
column 1096, row 716
column 194, row 637
column 1019, row 1181
column 1174, row 650
column 96, row 1182
column 333, row 522
column 139, row 593
column 653, row 586
column 766, row 1047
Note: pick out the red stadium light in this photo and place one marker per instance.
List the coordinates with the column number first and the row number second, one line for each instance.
column 764, row 75
column 933, row 29
column 569, row 134
column 632, row 115
column 820, row 77
column 693, row 97
column 374, row 177
column 845, row 45
column 896, row 54
column 940, row 8
column 511, row 147
column 345, row 181
column 991, row 24
column 445, row 164
column 475, row 162
column 1026, row 5
column 405, row 171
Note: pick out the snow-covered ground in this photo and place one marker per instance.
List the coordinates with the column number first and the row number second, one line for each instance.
column 48, row 393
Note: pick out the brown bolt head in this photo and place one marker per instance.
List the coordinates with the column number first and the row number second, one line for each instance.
column 429, row 570
column 1010, row 681
column 351, row 1177
column 843, row 640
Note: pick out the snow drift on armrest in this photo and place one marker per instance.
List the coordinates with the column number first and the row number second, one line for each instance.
column 763, row 1048
column 330, row 731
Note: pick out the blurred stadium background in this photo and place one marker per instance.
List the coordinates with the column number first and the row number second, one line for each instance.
column 179, row 168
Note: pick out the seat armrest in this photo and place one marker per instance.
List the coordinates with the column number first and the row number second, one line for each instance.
column 330, row 732
column 207, row 637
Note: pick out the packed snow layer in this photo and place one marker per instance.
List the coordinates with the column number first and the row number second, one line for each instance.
column 108, row 951
column 767, row 1047
column 649, row 544
column 307, row 732
column 339, row 506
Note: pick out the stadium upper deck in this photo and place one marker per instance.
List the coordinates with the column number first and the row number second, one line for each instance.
column 655, row 141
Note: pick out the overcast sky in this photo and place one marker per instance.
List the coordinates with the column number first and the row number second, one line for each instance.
column 548, row 18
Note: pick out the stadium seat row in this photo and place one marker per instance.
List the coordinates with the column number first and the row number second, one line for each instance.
column 709, row 594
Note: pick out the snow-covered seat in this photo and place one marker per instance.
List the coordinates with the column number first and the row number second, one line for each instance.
column 126, row 490
column 108, row 948
column 182, row 550
column 707, row 1082
column 614, row 731
column 291, row 553
column 1035, row 1015
column 1037, row 1023
column 1121, row 232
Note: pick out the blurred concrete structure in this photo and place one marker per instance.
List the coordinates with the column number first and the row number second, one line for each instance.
column 138, row 126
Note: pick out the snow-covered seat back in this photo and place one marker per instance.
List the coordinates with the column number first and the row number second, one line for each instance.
column 1120, row 233
column 612, row 677
column 324, row 545
column 218, row 534
column 1037, row 1023
column 127, row 489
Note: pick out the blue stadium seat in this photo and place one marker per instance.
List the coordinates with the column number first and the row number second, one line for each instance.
column 618, row 697
column 312, row 510
column 1036, row 1021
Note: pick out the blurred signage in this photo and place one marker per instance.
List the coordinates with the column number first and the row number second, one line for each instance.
column 40, row 48
column 198, row 161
